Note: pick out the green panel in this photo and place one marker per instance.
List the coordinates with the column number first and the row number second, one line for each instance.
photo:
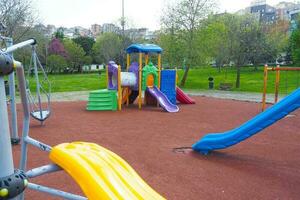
column 147, row 70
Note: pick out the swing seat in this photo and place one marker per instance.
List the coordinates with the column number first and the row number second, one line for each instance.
column 100, row 173
column 40, row 115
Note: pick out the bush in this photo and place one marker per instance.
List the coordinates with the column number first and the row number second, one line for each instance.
column 56, row 64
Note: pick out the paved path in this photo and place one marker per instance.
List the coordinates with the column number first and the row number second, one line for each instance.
column 240, row 96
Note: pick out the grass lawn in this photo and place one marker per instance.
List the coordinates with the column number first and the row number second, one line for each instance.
column 74, row 82
column 251, row 80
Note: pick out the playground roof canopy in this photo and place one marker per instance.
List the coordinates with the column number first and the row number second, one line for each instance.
column 144, row 48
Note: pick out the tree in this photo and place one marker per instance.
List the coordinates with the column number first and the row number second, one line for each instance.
column 295, row 42
column 214, row 37
column 173, row 48
column 18, row 16
column 107, row 47
column 56, row 63
column 277, row 36
column 76, row 55
column 59, row 34
column 24, row 54
column 241, row 28
column 57, row 48
column 86, row 43
column 185, row 17
column 240, row 39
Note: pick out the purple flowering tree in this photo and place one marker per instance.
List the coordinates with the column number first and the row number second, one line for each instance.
column 57, row 48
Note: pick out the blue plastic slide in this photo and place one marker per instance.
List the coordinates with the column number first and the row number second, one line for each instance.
column 212, row 142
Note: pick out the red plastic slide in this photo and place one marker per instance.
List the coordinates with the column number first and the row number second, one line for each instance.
column 183, row 98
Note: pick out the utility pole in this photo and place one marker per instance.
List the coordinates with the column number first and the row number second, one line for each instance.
column 123, row 35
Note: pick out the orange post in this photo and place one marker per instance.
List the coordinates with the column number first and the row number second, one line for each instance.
column 140, row 79
column 127, row 97
column 277, row 80
column 159, row 69
column 128, row 61
column 265, row 88
column 106, row 67
column 146, row 59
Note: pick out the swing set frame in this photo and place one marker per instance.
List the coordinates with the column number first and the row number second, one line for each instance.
column 277, row 70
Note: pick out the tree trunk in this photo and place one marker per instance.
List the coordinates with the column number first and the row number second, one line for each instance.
column 238, row 76
column 183, row 80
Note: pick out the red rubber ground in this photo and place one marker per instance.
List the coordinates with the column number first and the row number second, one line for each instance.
column 266, row 166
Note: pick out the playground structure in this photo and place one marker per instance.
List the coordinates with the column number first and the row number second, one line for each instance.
column 111, row 177
column 277, row 70
column 158, row 85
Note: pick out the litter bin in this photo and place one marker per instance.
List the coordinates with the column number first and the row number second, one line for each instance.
column 210, row 83
column 6, row 88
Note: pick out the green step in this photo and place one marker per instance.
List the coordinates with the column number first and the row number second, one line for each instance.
column 101, row 95
column 100, row 108
column 99, row 104
column 102, row 100
column 104, row 91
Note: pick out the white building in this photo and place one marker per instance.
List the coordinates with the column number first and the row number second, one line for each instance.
column 96, row 29
column 92, row 67
column 110, row 28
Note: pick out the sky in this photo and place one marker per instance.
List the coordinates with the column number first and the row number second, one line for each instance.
column 139, row 13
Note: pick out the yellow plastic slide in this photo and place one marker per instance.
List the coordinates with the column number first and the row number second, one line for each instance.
column 100, row 173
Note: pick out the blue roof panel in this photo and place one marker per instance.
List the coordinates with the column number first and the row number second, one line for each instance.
column 144, row 48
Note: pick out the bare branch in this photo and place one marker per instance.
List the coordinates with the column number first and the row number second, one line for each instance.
column 16, row 14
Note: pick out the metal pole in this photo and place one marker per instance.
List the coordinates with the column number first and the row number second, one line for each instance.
column 12, row 93
column 6, row 157
column 277, row 81
column 26, row 114
column 123, row 34
column 38, row 92
column 123, row 19
column 54, row 192
column 20, row 45
column 265, row 88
